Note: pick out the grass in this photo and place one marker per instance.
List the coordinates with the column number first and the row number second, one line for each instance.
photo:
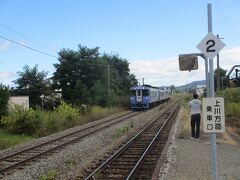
column 8, row 140
column 123, row 130
column 232, row 110
column 70, row 162
column 232, row 101
column 49, row 123
column 230, row 95
column 185, row 123
column 97, row 112
column 51, row 175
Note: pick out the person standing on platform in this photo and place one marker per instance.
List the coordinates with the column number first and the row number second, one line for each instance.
column 195, row 107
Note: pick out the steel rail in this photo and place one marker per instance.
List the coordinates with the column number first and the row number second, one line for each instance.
column 117, row 153
column 61, row 145
column 146, row 152
column 48, row 142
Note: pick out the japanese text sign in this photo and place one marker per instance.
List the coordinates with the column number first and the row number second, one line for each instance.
column 213, row 115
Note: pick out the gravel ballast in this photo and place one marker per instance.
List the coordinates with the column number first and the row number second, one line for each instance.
column 71, row 161
column 186, row 159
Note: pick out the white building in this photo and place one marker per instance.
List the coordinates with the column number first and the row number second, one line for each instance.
column 19, row 100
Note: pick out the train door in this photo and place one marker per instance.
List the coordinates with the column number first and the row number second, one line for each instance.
column 139, row 95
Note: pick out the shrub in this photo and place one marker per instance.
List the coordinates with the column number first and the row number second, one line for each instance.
column 4, row 96
column 22, row 121
column 121, row 101
column 230, row 95
column 232, row 101
column 186, row 99
column 65, row 116
column 232, row 110
column 67, row 111
column 97, row 112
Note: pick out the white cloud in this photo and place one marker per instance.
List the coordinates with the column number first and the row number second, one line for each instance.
column 4, row 46
column 54, row 47
column 166, row 71
column 229, row 58
column 6, row 77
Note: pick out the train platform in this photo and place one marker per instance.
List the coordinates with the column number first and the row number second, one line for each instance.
column 189, row 159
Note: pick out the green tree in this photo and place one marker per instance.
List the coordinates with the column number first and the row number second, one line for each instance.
column 99, row 95
column 34, row 83
column 223, row 79
column 76, row 71
column 172, row 88
column 80, row 73
column 80, row 93
column 121, row 78
column 4, row 97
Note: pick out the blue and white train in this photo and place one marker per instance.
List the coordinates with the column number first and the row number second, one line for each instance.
column 143, row 97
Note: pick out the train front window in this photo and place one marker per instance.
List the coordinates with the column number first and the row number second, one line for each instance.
column 138, row 92
column 145, row 92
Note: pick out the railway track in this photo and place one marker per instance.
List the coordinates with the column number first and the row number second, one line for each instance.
column 138, row 158
column 20, row 159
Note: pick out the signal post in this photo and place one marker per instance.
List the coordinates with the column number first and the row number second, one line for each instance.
column 213, row 108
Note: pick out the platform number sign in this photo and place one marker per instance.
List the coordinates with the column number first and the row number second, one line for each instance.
column 213, row 115
column 210, row 45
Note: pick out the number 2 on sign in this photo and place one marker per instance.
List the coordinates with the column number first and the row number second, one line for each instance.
column 211, row 44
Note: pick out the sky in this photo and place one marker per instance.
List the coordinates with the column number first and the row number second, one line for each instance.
column 150, row 34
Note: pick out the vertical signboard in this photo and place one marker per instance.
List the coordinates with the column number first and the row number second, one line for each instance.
column 213, row 115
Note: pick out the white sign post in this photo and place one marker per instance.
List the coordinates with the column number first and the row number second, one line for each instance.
column 210, row 46
column 213, row 115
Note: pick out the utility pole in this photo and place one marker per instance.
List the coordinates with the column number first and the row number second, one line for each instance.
column 42, row 96
column 218, row 69
column 186, row 87
column 108, row 81
column 142, row 81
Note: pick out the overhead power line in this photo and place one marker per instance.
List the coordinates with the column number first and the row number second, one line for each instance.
column 42, row 52
column 33, row 49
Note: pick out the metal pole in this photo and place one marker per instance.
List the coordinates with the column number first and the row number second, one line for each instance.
column 42, row 96
column 42, row 104
column 186, row 87
column 209, row 17
column 108, row 80
column 207, row 75
column 213, row 135
column 221, row 83
column 218, row 71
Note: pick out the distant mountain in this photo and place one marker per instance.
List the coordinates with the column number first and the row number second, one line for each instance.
column 190, row 86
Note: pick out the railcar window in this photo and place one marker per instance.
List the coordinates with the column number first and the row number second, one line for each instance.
column 153, row 94
column 145, row 92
